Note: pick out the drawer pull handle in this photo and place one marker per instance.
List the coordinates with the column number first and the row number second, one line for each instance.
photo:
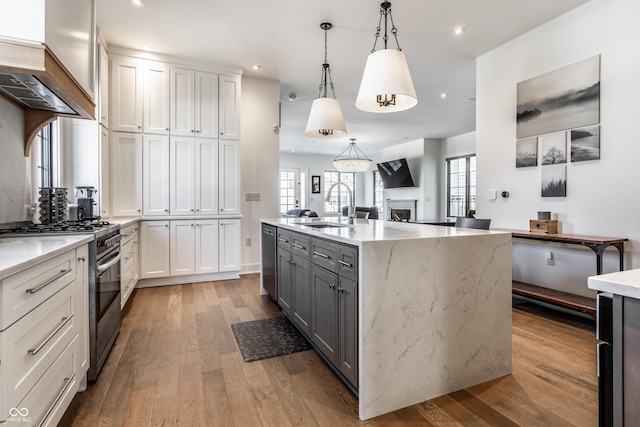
column 62, row 273
column 346, row 264
column 297, row 246
column 280, row 239
column 34, row 351
column 67, row 382
column 321, row 255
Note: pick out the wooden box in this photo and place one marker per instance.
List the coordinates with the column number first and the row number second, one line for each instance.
column 543, row 227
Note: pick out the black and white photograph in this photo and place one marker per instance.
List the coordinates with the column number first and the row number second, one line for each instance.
column 527, row 152
column 315, row 184
column 553, row 148
column 585, row 144
column 562, row 99
column 554, row 181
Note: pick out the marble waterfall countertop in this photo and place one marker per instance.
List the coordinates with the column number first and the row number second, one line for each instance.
column 625, row 283
column 18, row 253
column 434, row 307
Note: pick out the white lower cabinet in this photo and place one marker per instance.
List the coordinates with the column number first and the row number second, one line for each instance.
column 197, row 246
column 44, row 350
column 129, row 262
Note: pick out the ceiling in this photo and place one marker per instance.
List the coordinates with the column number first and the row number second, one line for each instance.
column 285, row 39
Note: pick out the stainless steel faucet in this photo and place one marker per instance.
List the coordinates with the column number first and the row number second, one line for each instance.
column 350, row 207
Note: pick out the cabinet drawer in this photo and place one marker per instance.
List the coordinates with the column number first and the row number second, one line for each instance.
column 50, row 397
column 24, row 291
column 284, row 239
column 348, row 262
column 324, row 254
column 300, row 244
column 128, row 233
column 32, row 344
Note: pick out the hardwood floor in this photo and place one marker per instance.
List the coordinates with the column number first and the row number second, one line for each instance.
column 176, row 362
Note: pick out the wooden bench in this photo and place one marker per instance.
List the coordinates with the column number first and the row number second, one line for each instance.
column 551, row 296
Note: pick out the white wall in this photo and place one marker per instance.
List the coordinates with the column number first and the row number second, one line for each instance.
column 603, row 196
column 259, row 151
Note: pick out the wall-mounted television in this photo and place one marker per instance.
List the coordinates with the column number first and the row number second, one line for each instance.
column 395, row 174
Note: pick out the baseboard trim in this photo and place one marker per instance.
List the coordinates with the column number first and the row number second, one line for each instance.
column 190, row 278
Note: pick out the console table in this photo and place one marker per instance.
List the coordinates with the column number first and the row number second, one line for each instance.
column 596, row 243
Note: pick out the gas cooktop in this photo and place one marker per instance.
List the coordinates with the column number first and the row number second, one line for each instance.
column 75, row 227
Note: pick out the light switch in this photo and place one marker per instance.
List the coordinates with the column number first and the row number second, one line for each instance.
column 493, row 194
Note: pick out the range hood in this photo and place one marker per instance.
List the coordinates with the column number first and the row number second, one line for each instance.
column 33, row 79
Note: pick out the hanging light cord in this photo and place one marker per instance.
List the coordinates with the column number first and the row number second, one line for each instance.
column 385, row 10
column 326, row 71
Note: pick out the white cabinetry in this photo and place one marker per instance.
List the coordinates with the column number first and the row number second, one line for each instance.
column 183, row 238
column 154, row 249
column 206, row 176
column 126, row 174
column 103, row 86
column 194, row 103
column 126, row 94
column 206, row 246
column 155, row 166
column 229, row 186
column 129, row 262
column 156, row 98
column 229, row 102
column 182, row 172
column 229, row 245
column 105, row 185
column 44, row 336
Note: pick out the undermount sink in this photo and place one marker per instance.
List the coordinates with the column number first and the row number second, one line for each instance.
column 324, row 225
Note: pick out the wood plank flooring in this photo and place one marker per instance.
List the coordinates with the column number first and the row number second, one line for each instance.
column 176, row 362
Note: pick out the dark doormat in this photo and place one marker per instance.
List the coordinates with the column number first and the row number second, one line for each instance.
column 262, row 339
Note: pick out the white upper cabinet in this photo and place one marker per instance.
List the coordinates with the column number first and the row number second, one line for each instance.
column 126, row 94
column 206, row 108
column 229, row 187
column 182, row 172
column 156, row 174
column 229, row 102
column 103, row 86
column 156, row 98
column 182, row 101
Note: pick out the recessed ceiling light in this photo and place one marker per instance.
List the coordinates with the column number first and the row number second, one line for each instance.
column 256, row 66
column 293, row 96
column 458, row 31
column 443, row 95
column 138, row 3
column 146, row 47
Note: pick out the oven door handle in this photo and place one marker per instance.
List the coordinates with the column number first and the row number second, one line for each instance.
column 105, row 267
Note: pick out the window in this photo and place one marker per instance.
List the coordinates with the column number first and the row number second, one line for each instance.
column 287, row 190
column 45, row 158
column 378, row 191
column 461, row 185
column 339, row 195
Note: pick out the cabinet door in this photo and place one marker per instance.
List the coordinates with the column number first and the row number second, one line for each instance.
column 229, row 245
column 82, row 306
column 104, row 192
column 324, row 311
column 206, row 107
column 103, row 86
column 229, row 187
column 285, row 281
column 206, row 176
column 348, row 329
column 206, row 246
column 302, row 293
column 229, row 116
column 183, row 240
column 154, row 249
column 126, row 95
column 156, row 98
column 182, row 171
column 126, row 174
column 182, row 104
column 155, row 169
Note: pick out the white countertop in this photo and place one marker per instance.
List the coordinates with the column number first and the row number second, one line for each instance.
column 18, row 253
column 372, row 230
column 625, row 283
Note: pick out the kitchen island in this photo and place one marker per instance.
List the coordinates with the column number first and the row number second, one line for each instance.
column 433, row 306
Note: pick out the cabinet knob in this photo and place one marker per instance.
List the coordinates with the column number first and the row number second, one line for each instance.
column 166, row 226
column 167, row 129
column 197, row 210
column 139, row 127
column 166, row 210
column 221, row 133
column 192, row 131
column 138, row 210
column 197, row 131
column 191, row 210
column 81, row 258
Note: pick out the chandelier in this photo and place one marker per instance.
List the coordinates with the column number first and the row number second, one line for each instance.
column 325, row 118
column 352, row 159
column 386, row 84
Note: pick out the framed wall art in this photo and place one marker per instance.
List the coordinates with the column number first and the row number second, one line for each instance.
column 554, row 181
column 315, row 184
column 585, row 144
column 527, row 152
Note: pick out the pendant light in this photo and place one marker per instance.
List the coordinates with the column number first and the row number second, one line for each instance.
column 386, row 84
column 353, row 161
column 325, row 118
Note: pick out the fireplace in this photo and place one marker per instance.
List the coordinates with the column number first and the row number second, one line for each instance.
column 400, row 210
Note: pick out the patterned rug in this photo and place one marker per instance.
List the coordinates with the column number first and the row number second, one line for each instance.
column 262, row 339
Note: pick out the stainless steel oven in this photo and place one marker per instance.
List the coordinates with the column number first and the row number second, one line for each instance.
column 104, row 299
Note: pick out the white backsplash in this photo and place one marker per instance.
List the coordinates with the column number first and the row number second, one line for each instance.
column 15, row 181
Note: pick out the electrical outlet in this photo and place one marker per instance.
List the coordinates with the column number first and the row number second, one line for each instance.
column 550, row 262
column 247, row 241
column 252, row 197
